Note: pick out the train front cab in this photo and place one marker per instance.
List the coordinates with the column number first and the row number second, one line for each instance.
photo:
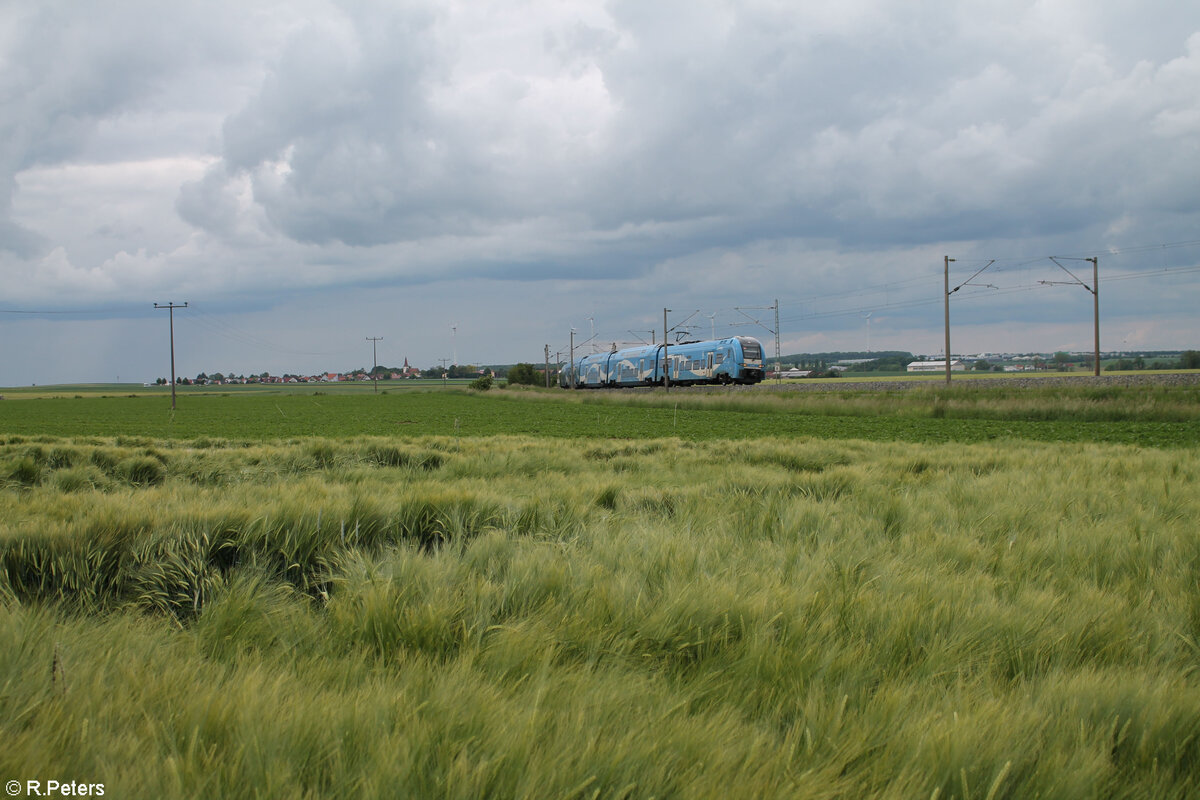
column 750, row 362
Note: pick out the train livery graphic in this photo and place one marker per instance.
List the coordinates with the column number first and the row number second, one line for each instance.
column 738, row 359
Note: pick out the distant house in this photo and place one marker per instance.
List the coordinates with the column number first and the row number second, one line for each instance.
column 936, row 366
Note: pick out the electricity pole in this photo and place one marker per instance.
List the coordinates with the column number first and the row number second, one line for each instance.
column 374, row 361
column 571, row 373
column 1096, row 308
column 171, row 314
column 547, row 366
column 1095, row 291
column 778, row 379
column 666, row 361
column 949, row 292
column 948, row 259
column 775, row 332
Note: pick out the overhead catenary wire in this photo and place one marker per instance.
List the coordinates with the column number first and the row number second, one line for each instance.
column 898, row 292
column 999, row 264
column 991, row 292
column 238, row 336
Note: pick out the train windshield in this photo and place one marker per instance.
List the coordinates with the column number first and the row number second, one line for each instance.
column 751, row 349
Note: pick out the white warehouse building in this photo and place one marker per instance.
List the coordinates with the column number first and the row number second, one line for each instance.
column 936, row 366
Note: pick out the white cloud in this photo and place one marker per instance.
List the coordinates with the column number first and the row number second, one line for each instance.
column 614, row 155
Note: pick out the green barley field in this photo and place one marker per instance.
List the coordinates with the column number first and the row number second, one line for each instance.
column 928, row 594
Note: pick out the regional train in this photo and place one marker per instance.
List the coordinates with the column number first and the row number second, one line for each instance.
column 738, row 359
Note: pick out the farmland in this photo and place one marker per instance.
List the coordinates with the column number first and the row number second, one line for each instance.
column 1150, row 415
column 526, row 594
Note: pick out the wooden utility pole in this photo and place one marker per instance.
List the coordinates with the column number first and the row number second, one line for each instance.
column 374, row 361
column 547, row 366
column 171, row 314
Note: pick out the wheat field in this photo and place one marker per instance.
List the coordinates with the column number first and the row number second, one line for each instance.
column 520, row 617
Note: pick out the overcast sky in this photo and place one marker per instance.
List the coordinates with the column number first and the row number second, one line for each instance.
column 473, row 179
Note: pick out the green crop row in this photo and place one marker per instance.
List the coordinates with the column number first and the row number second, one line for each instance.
column 1165, row 419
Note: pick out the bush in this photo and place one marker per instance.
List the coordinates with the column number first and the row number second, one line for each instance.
column 482, row 383
column 526, row 374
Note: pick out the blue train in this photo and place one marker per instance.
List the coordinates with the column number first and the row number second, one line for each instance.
column 738, row 359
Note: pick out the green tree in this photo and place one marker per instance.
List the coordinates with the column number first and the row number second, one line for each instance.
column 1190, row 359
column 525, row 374
column 982, row 365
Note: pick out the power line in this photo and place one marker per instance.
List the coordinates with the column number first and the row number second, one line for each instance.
column 996, row 292
column 69, row 312
column 1000, row 264
column 239, row 336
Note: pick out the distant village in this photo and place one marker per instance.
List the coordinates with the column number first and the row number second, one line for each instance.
column 366, row 375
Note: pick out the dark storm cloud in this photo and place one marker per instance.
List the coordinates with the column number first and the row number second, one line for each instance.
column 240, row 150
column 758, row 120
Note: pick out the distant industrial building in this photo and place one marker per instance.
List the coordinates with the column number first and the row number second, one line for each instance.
column 936, row 366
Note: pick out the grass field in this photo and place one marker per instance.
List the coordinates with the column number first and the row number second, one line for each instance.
column 603, row 597
column 1164, row 416
column 184, row 391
